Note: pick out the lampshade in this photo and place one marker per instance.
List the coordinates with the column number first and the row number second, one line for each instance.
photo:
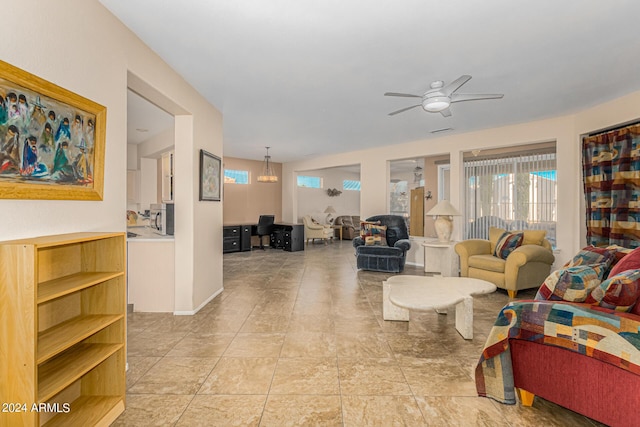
column 330, row 210
column 268, row 174
column 443, row 208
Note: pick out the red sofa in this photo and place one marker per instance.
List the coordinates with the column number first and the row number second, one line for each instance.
column 581, row 356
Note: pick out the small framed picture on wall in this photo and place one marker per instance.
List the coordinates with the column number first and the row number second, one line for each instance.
column 210, row 176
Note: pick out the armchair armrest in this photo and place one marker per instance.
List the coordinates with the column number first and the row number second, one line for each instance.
column 468, row 248
column 403, row 244
column 529, row 253
column 357, row 241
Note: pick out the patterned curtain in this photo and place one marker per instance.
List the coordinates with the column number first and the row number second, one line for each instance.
column 611, row 174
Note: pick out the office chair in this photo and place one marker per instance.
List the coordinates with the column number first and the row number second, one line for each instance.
column 265, row 227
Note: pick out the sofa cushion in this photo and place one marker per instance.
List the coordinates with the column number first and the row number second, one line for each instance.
column 619, row 292
column 573, row 284
column 507, row 243
column 373, row 233
column 592, row 255
column 487, row 262
column 631, row 261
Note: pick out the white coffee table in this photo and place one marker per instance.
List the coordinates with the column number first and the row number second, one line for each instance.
column 421, row 293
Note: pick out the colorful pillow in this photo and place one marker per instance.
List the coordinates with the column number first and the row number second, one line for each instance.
column 619, row 292
column 507, row 243
column 373, row 233
column 573, row 284
column 592, row 255
column 495, row 234
column 619, row 252
column 629, row 262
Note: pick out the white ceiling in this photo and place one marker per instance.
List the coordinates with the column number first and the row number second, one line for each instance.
column 145, row 120
column 307, row 77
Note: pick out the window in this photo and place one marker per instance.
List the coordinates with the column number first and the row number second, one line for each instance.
column 236, row 177
column 399, row 197
column 350, row 185
column 309, row 181
column 514, row 192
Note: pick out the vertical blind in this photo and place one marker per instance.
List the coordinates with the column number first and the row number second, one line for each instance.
column 516, row 192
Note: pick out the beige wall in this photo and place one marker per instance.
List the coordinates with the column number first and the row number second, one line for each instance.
column 243, row 204
column 565, row 130
column 314, row 201
column 100, row 58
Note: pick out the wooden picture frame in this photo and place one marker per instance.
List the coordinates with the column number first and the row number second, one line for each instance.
column 52, row 141
column 210, row 176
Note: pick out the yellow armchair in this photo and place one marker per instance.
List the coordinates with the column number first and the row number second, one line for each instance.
column 526, row 267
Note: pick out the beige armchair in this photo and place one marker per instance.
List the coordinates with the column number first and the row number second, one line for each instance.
column 314, row 231
column 526, row 267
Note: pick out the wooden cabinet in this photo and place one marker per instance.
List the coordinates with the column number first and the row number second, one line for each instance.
column 63, row 309
column 416, row 217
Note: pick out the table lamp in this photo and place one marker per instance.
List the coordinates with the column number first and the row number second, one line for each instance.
column 330, row 210
column 444, row 212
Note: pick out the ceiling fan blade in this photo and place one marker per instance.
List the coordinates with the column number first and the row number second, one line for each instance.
column 446, row 112
column 406, row 95
column 459, row 97
column 455, row 85
column 404, row 109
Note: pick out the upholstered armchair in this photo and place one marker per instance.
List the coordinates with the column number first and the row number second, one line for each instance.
column 524, row 267
column 381, row 256
column 350, row 226
column 314, row 230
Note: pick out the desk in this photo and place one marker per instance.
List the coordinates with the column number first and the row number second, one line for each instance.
column 289, row 237
column 441, row 257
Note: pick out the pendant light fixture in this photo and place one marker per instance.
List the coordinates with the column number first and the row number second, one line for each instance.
column 268, row 174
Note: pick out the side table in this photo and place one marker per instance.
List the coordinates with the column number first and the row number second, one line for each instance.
column 440, row 257
column 338, row 227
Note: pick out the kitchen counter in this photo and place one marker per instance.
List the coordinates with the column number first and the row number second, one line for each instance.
column 145, row 234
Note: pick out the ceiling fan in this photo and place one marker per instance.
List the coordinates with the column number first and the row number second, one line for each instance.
column 440, row 97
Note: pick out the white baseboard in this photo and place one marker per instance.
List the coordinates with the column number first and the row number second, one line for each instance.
column 192, row 312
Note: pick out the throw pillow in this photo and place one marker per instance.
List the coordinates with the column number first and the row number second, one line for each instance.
column 619, row 253
column 619, row 292
column 629, row 262
column 592, row 255
column 573, row 284
column 373, row 233
column 534, row 237
column 494, row 234
column 507, row 243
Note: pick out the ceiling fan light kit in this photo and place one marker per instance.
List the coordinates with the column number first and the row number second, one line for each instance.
column 439, row 97
column 436, row 104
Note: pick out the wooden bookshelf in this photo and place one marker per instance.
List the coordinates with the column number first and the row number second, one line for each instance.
column 63, row 309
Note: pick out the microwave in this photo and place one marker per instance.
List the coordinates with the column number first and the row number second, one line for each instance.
column 161, row 217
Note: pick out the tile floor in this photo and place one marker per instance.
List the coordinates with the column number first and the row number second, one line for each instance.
column 298, row 339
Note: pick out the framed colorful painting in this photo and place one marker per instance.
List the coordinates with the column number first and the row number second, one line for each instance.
column 210, row 176
column 52, row 140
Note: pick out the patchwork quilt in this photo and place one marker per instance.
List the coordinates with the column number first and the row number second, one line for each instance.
column 613, row 338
